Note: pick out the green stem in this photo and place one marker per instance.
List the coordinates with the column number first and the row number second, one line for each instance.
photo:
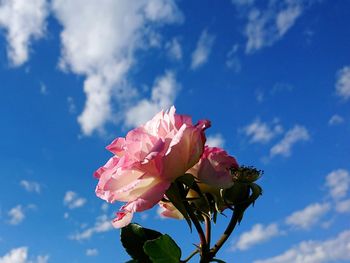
column 190, row 256
column 196, row 223
column 225, row 235
column 207, row 229
column 204, row 248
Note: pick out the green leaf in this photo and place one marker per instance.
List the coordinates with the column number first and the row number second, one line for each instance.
column 163, row 250
column 133, row 237
column 236, row 194
column 187, row 179
column 256, row 192
column 190, row 182
column 174, row 195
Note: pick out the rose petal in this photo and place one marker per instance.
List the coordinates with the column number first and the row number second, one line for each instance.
column 122, row 219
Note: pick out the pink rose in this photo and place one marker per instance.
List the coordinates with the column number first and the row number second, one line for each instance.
column 147, row 160
column 213, row 174
column 213, row 168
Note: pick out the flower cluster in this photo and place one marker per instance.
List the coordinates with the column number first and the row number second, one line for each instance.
column 166, row 161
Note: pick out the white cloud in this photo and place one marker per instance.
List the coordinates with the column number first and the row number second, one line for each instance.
column 332, row 250
column 308, row 216
column 20, row 255
column 258, row 234
column 342, row 86
column 203, row 49
column 43, row 89
column 91, row 252
column 16, row 255
column 104, row 207
column 286, row 18
column 72, row 200
column 338, row 182
column 102, row 224
column 294, row 135
column 232, row 61
column 174, row 49
column 41, row 259
column 16, row 215
column 335, row 120
column 267, row 26
column 261, row 132
column 23, row 22
column 100, row 43
column 163, row 96
column 71, row 105
column 216, row 140
column 31, row 186
column 162, row 11
column 343, row 206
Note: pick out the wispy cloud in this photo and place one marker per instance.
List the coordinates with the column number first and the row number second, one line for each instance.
column 203, row 49
column 16, row 215
column 303, row 219
column 258, row 234
column 104, row 56
column 343, row 206
column 91, row 252
column 72, row 109
column 72, row 200
column 296, row 134
column 309, row 216
column 267, row 25
column 23, row 21
column 174, row 49
column 338, row 183
column 104, row 207
column 43, row 89
column 163, row 96
column 31, row 186
column 332, row 250
column 216, row 140
column 261, row 132
column 335, row 120
column 232, row 61
column 20, row 255
column 102, row 224
column 342, row 86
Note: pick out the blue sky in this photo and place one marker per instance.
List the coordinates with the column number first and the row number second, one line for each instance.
column 272, row 76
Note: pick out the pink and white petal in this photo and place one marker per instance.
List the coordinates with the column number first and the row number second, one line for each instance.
column 108, row 168
column 169, row 210
column 184, row 151
column 139, row 144
column 151, row 127
column 117, row 146
column 149, row 198
column 118, row 187
column 122, row 219
column 216, row 178
column 156, row 150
